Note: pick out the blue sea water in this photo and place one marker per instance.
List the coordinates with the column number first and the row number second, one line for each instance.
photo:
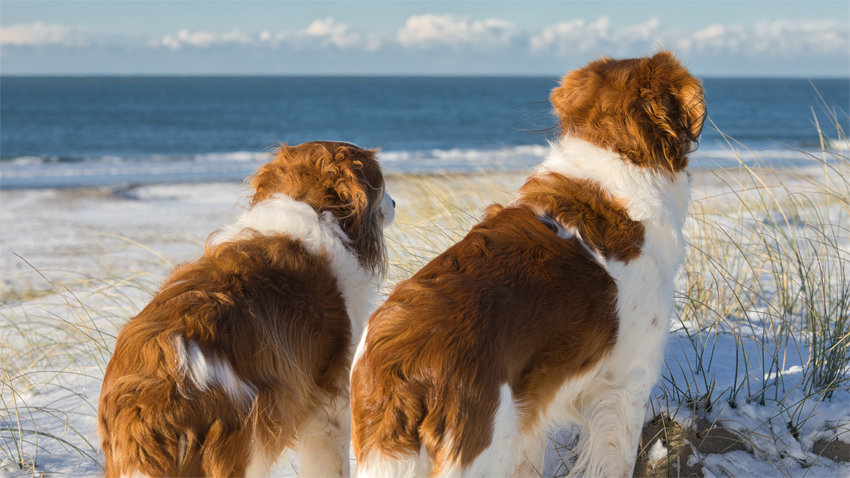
column 95, row 131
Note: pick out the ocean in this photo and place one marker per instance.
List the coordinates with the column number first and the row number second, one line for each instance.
column 67, row 132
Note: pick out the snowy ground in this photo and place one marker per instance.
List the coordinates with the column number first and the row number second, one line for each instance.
column 103, row 252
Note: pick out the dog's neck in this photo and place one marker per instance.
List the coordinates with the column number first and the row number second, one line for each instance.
column 654, row 198
column 282, row 215
column 647, row 195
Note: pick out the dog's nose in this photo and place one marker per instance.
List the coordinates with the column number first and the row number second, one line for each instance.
column 393, row 200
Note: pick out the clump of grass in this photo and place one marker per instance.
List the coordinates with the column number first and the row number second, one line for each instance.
column 56, row 344
column 436, row 211
column 770, row 268
column 767, row 268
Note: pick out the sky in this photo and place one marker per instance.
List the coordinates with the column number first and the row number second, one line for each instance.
column 755, row 38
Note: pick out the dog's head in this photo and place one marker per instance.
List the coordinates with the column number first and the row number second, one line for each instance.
column 337, row 178
column 650, row 110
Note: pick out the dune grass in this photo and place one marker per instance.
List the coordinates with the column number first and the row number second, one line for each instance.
column 54, row 346
column 765, row 277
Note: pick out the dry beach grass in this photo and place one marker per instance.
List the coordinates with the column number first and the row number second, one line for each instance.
column 758, row 359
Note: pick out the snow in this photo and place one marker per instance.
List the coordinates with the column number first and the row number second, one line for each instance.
column 88, row 242
column 657, row 453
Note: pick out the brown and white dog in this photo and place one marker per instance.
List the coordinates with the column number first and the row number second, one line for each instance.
column 551, row 310
column 246, row 351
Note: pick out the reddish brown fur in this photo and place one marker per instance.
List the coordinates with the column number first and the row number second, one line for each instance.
column 585, row 207
column 650, row 110
column 510, row 303
column 266, row 305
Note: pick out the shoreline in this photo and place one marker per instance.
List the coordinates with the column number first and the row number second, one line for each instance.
column 117, row 172
column 83, row 232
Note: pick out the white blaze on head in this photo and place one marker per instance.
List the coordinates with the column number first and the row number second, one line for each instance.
column 388, row 209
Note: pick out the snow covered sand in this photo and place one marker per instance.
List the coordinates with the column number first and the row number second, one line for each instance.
column 744, row 390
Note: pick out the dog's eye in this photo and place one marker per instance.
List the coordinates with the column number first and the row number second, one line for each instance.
column 552, row 226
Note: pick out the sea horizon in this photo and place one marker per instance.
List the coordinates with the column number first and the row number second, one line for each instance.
column 80, row 131
column 379, row 75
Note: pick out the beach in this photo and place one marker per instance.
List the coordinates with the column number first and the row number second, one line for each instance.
column 78, row 263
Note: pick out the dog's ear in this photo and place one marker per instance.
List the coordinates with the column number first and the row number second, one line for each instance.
column 341, row 167
column 360, row 186
column 672, row 99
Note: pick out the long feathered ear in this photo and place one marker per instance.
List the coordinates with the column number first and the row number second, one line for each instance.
column 673, row 100
column 360, row 186
column 692, row 99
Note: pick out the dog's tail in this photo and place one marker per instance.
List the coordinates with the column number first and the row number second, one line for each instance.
column 152, row 423
column 387, row 410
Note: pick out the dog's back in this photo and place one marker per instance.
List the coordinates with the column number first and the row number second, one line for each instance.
column 197, row 378
column 493, row 312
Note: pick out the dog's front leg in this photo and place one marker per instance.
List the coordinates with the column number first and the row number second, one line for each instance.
column 611, row 430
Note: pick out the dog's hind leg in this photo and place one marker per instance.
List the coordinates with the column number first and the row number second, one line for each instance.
column 324, row 441
column 531, row 455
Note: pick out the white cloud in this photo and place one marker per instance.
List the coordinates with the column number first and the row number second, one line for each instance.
column 774, row 39
column 425, row 31
column 204, row 39
column 579, row 36
column 321, row 33
column 329, row 32
column 640, row 32
column 777, row 39
column 38, row 33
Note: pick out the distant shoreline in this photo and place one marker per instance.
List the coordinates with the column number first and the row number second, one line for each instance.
column 388, row 76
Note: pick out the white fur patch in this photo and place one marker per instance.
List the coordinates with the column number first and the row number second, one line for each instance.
column 324, row 441
column 206, row 372
column 640, row 189
column 388, row 209
column 360, row 350
column 258, row 460
column 379, row 466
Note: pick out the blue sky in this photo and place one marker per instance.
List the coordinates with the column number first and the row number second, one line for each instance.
column 715, row 38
